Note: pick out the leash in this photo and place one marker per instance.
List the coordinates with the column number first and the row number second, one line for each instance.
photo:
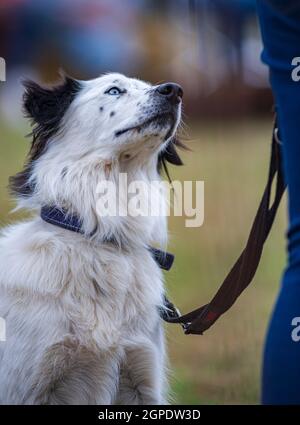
column 240, row 276
column 243, row 271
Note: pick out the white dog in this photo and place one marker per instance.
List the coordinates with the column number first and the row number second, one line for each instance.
column 81, row 307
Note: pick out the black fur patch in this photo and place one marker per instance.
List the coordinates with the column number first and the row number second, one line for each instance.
column 170, row 155
column 46, row 108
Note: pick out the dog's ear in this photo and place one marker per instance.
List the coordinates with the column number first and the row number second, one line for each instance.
column 46, row 105
column 170, row 155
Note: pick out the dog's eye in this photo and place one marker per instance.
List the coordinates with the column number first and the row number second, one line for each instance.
column 114, row 91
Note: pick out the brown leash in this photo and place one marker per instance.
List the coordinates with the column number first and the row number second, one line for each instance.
column 243, row 271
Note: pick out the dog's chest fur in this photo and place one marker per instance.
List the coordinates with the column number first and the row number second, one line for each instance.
column 113, row 295
column 105, row 294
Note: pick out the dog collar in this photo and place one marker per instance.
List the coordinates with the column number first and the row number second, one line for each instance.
column 60, row 218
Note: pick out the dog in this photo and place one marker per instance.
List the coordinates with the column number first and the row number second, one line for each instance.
column 82, row 308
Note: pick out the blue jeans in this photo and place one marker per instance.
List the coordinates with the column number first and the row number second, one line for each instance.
column 280, row 28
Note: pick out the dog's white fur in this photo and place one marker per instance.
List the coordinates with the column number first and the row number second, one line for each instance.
column 81, row 315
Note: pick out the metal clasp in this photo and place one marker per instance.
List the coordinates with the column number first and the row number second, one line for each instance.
column 276, row 136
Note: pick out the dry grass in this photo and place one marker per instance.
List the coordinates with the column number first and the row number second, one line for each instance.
column 223, row 366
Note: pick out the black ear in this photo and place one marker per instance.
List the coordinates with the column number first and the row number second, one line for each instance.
column 171, row 155
column 48, row 105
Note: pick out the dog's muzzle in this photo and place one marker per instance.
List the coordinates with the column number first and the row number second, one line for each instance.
column 163, row 108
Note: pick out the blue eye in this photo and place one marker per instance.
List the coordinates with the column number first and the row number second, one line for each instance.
column 114, row 91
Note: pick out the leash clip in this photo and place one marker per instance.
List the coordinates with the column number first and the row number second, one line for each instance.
column 185, row 327
column 169, row 312
column 276, row 136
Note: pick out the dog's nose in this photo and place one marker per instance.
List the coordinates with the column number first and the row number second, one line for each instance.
column 172, row 91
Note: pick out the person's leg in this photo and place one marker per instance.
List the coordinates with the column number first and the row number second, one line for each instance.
column 281, row 369
column 280, row 27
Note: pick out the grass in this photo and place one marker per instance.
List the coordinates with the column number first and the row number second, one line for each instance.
column 223, row 365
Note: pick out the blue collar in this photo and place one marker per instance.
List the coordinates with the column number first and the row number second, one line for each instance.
column 60, row 218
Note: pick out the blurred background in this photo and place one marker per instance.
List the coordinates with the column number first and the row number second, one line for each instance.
column 212, row 48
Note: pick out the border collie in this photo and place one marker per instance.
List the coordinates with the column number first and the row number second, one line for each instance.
column 82, row 307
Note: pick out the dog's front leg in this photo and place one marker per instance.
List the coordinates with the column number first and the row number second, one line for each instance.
column 142, row 378
column 70, row 374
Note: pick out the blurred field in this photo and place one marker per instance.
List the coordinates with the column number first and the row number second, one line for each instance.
column 222, row 366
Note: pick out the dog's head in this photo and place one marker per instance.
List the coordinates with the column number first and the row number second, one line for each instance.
column 114, row 117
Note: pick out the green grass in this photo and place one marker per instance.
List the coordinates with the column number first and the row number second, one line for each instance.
column 223, row 365
column 13, row 149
